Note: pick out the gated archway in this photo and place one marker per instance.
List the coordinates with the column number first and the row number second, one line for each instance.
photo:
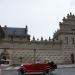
column 72, row 58
column 4, row 57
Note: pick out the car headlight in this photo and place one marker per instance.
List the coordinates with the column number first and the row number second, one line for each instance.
column 22, row 65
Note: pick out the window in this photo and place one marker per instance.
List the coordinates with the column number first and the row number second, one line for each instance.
column 72, row 40
column 73, row 29
column 66, row 40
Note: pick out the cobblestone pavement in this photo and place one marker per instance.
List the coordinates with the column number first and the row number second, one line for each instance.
column 60, row 71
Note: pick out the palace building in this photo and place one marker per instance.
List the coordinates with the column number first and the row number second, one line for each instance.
column 16, row 46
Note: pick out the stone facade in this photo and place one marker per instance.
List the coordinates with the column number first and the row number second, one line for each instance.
column 17, row 48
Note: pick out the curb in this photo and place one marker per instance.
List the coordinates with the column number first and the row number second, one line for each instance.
column 66, row 66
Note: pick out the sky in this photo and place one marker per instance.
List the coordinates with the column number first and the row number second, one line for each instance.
column 41, row 16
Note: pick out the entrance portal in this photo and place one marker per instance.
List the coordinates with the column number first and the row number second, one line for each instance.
column 4, row 57
column 72, row 58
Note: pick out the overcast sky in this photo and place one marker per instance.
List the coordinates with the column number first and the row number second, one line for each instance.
column 41, row 16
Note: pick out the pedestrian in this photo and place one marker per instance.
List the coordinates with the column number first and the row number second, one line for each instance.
column 37, row 61
column 46, row 61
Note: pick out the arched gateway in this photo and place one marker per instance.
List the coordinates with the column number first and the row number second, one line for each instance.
column 4, row 57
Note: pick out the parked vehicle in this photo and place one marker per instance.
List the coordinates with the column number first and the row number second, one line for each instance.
column 44, row 68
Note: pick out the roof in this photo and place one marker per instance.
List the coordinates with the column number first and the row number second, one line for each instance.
column 15, row 31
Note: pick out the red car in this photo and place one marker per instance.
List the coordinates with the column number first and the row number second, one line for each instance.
column 37, row 68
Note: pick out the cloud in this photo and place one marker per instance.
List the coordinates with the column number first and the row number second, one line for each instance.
column 72, row 3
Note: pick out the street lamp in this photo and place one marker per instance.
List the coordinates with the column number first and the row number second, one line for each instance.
column 20, row 58
column 34, row 55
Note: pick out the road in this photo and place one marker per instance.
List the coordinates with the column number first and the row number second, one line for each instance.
column 60, row 71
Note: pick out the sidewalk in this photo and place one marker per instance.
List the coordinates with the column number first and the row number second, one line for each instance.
column 8, row 67
column 66, row 66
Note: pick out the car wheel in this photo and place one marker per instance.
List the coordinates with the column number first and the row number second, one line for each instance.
column 46, row 71
column 49, row 72
column 22, row 72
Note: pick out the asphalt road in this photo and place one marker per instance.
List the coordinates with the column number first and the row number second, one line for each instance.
column 60, row 71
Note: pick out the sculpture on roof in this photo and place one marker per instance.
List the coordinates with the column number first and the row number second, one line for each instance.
column 26, row 30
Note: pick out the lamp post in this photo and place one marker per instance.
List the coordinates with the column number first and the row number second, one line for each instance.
column 20, row 58
column 34, row 55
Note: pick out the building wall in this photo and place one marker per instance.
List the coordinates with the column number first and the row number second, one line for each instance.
column 24, row 52
column 58, row 49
